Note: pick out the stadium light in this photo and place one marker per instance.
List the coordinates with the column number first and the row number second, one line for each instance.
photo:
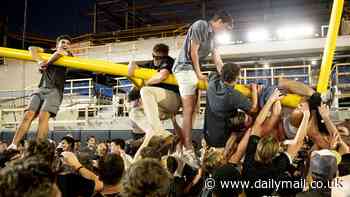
column 258, row 35
column 295, row 31
column 223, row 38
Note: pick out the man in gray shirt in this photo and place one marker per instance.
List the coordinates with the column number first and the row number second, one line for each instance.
column 46, row 101
column 199, row 43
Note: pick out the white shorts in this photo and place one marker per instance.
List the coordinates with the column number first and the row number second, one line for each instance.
column 187, row 81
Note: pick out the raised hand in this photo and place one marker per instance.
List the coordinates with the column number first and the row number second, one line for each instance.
column 70, row 159
column 43, row 65
column 324, row 110
column 276, row 96
column 277, row 108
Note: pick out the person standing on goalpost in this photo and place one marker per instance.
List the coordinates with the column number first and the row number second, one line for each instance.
column 198, row 44
column 45, row 101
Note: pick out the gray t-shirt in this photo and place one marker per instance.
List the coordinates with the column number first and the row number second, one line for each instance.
column 54, row 77
column 222, row 102
column 201, row 32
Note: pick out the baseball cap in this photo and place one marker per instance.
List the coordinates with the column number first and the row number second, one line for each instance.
column 323, row 164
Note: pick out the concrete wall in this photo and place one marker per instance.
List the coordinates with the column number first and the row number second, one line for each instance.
column 18, row 75
column 141, row 50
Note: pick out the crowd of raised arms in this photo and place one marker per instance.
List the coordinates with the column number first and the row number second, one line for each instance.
column 251, row 146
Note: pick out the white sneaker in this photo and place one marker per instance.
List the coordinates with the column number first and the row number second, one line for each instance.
column 12, row 146
column 190, row 158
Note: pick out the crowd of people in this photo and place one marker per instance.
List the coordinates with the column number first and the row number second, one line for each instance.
column 251, row 146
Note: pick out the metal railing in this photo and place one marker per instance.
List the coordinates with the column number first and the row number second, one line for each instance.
column 84, row 115
column 342, row 84
column 2, row 60
column 91, row 110
column 73, row 85
column 272, row 74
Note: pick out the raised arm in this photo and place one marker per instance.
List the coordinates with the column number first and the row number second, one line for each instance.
column 241, row 149
column 56, row 55
column 295, row 145
column 71, row 160
column 257, row 127
column 254, row 109
column 325, row 114
column 336, row 141
column 131, row 68
column 271, row 122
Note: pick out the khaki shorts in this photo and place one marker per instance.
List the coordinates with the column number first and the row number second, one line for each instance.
column 187, row 81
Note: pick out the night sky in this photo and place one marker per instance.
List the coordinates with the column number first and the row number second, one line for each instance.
column 49, row 18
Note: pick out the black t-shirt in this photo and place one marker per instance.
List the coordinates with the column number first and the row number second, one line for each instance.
column 258, row 173
column 107, row 195
column 177, row 187
column 54, row 76
column 75, row 185
column 166, row 63
column 222, row 102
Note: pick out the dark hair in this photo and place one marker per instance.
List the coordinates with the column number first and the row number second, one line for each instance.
column 227, row 173
column 86, row 160
column 155, row 184
column 344, row 165
column 150, row 152
column 171, row 164
column 91, row 137
column 69, row 140
column 43, row 149
column 6, row 156
column 161, row 48
column 119, row 142
column 22, row 142
column 31, row 176
column 64, row 37
column 224, row 16
column 111, row 169
column 237, row 120
column 134, row 94
column 230, row 72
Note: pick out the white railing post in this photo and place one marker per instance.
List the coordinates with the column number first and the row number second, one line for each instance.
column 71, row 87
column 0, row 119
column 90, row 87
column 86, row 115
column 336, row 75
column 272, row 76
column 309, row 74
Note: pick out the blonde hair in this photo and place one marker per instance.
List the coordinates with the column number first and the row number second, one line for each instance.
column 266, row 150
column 213, row 158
